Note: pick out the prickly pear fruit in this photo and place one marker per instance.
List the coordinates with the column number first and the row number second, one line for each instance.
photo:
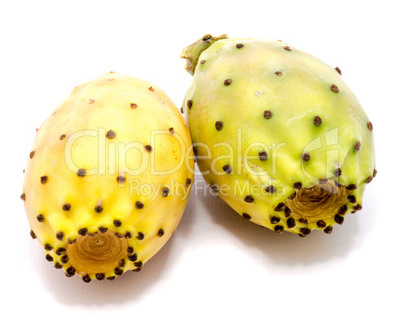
column 107, row 179
column 277, row 133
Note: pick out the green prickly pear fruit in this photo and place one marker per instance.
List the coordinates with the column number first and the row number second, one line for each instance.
column 277, row 133
column 107, row 180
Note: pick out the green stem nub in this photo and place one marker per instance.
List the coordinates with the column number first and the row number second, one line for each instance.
column 192, row 53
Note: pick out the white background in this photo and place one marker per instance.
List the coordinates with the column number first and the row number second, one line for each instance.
column 217, row 267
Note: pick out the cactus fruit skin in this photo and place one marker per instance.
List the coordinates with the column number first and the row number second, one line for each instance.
column 277, row 133
column 107, row 180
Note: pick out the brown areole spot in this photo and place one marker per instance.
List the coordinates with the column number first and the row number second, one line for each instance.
column 267, row 114
column 202, row 62
column 357, row 146
column 32, row 154
column 139, row 205
column 40, row 218
column 70, row 271
column 148, row 148
column 328, row 230
column 32, row 234
column 86, row 278
column 219, row 125
column 227, row 168
column 117, row 223
column 66, row 207
column 338, row 70
column 49, row 258
column 189, row 104
column 279, row 73
column 83, row 231
column 338, row 219
column 121, row 263
column 305, row 231
column 48, row 247
column 71, row 241
column 121, row 179
column 238, row 46
column 278, row 229
column 188, row 182
column 133, row 257
column 287, row 48
column 317, row 120
column 334, row 88
column 62, row 137
column 133, row 105
column 291, row 223
column 214, row 188
column 352, row 198
column 119, row 235
column 81, row 173
column 342, row 210
column 99, row 206
column 100, row 276
column 59, row 235
column 110, row 134
column 138, row 264
column 64, row 259
column 370, row 126
column 57, row 265
column 270, row 189
column 165, row 192
column 60, row 251
column 337, row 172
column 297, row 185
column 160, row 233
column 246, row 216
column 227, row 82
column 248, row 198
column 321, row 224
column 303, row 221
column 274, row 220
column 263, row 155
column 306, row 157
column 103, row 229
column 118, row 271
column 151, row 89
column 279, row 207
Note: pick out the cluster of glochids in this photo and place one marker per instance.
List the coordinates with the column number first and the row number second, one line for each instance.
column 276, row 118
column 101, row 221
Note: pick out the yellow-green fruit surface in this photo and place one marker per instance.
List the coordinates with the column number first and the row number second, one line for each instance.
column 268, row 123
column 108, row 177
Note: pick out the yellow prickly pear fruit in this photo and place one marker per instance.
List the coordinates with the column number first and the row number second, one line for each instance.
column 108, row 177
column 277, row 133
